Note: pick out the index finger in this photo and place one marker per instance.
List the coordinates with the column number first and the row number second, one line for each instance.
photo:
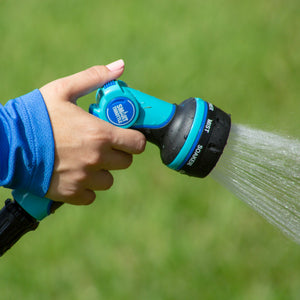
column 79, row 84
column 84, row 82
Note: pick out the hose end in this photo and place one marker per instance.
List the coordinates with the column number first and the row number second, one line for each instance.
column 14, row 223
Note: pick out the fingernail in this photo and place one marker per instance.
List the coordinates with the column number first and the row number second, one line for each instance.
column 116, row 65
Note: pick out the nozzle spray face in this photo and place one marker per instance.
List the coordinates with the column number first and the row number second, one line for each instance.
column 209, row 144
column 191, row 136
column 193, row 141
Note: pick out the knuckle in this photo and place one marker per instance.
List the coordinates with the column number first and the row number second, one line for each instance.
column 94, row 159
column 71, row 197
column 141, row 144
column 98, row 133
column 80, row 177
column 80, row 198
column 61, row 87
column 128, row 161
column 88, row 198
column 108, row 182
column 97, row 72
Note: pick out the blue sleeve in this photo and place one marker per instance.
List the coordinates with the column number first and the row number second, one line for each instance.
column 26, row 144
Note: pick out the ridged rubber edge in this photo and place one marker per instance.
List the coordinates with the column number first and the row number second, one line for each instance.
column 211, row 144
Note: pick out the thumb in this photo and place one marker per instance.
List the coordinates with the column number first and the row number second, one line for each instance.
column 79, row 84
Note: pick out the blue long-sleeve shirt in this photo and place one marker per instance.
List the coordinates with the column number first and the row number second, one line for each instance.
column 26, row 144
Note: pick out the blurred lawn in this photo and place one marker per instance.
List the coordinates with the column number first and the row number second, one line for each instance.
column 157, row 234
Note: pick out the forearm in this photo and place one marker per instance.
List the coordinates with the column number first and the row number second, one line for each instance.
column 26, row 144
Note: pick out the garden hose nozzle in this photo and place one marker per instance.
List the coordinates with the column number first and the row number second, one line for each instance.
column 191, row 136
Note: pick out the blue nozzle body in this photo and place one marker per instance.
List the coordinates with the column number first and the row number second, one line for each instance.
column 125, row 107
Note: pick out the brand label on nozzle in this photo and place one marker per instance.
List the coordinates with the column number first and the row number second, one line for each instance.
column 195, row 155
column 121, row 112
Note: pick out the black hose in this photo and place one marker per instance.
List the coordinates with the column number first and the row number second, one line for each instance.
column 14, row 223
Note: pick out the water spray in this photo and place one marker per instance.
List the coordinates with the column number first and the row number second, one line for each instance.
column 263, row 170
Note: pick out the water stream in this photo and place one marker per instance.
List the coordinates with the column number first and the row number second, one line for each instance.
column 263, row 169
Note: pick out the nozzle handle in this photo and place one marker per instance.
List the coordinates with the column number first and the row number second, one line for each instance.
column 37, row 207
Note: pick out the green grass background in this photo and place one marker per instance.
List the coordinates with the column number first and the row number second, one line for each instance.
column 158, row 234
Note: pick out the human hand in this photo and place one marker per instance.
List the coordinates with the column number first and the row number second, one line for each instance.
column 86, row 148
